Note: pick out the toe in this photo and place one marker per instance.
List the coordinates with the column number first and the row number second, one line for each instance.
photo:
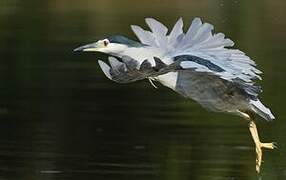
column 269, row 145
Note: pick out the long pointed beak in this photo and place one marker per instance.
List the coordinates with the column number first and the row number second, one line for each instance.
column 88, row 47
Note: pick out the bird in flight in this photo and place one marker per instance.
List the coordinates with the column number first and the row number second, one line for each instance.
column 197, row 64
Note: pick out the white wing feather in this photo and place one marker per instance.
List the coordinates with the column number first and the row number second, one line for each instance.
column 145, row 37
column 105, row 69
column 176, row 31
column 199, row 41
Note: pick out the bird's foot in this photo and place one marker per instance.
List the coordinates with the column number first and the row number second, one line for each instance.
column 271, row 145
column 259, row 147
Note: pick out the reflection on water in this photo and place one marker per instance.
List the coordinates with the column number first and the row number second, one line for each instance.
column 62, row 119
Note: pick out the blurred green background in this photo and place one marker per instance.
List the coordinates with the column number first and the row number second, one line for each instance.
column 60, row 118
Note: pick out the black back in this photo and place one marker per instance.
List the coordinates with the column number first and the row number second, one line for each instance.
column 124, row 40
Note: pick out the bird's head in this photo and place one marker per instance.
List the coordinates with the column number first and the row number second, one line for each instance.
column 110, row 45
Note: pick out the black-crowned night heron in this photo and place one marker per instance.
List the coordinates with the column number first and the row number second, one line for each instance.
column 196, row 64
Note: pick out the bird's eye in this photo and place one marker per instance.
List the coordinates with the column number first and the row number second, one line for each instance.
column 105, row 43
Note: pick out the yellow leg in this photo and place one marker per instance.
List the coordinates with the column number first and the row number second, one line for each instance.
column 258, row 144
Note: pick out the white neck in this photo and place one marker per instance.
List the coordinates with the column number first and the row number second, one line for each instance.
column 115, row 49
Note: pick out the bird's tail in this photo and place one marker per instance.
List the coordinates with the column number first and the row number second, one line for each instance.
column 261, row 110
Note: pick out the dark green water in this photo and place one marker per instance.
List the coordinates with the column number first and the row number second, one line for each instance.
column 61, row 118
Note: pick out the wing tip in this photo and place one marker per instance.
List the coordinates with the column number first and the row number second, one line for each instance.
column 105, row 69
column 149, row 19
column 197, row 19
column 135, row 27
column 262, row 110
column 180, row 21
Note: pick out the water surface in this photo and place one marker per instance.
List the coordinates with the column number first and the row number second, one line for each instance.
column 62, row 119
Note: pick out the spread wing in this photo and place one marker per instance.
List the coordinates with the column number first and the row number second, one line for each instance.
column 199, row 41
column 128, row 70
